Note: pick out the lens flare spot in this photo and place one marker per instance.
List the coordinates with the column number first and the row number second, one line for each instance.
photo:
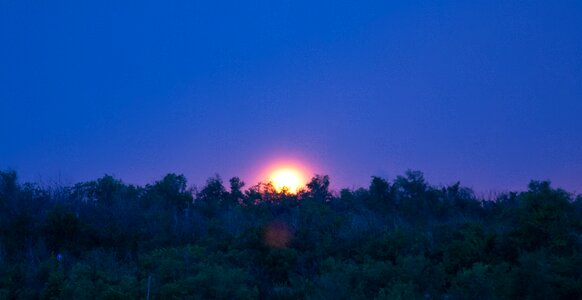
column 277, row 235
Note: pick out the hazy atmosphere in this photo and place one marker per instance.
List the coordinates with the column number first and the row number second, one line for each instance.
column 483, row 92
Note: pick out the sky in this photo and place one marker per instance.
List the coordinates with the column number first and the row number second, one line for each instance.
column 488, row 93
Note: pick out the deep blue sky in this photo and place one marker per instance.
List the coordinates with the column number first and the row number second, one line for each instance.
column 485, row 92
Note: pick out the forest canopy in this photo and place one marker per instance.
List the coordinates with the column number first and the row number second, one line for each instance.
column 396, row 239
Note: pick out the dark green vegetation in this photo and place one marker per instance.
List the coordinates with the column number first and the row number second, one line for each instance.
column 402, row 239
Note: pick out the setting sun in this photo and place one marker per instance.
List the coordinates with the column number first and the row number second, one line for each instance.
column 288, row 179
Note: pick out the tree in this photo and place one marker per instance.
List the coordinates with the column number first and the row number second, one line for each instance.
column 62, row 231
column 546, row 217
column 473, row 283
column 212, row 197
column 172, row 191
column 318, row 188
column 410, row 195
column 8, row 184
column 8, row 191
column 236, row 195
column 380, row 196
column 402, row 239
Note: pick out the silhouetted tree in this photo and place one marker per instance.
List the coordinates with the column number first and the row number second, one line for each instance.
column 212, row 196
column 399, row 239
column 380, row 196
column 545, row 218
column 236, row 192
column 172, row 188
column 318, row 188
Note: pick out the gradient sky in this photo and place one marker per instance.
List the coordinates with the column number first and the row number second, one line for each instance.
column 488, row 93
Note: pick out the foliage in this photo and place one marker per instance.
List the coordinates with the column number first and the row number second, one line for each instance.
column 400, row 239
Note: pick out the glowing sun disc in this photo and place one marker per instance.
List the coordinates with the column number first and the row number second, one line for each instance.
column 288, row 179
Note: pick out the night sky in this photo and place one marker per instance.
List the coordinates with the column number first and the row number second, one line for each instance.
column 488, row 93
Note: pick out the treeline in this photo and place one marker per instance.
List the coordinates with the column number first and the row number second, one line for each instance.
column 399, row 239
